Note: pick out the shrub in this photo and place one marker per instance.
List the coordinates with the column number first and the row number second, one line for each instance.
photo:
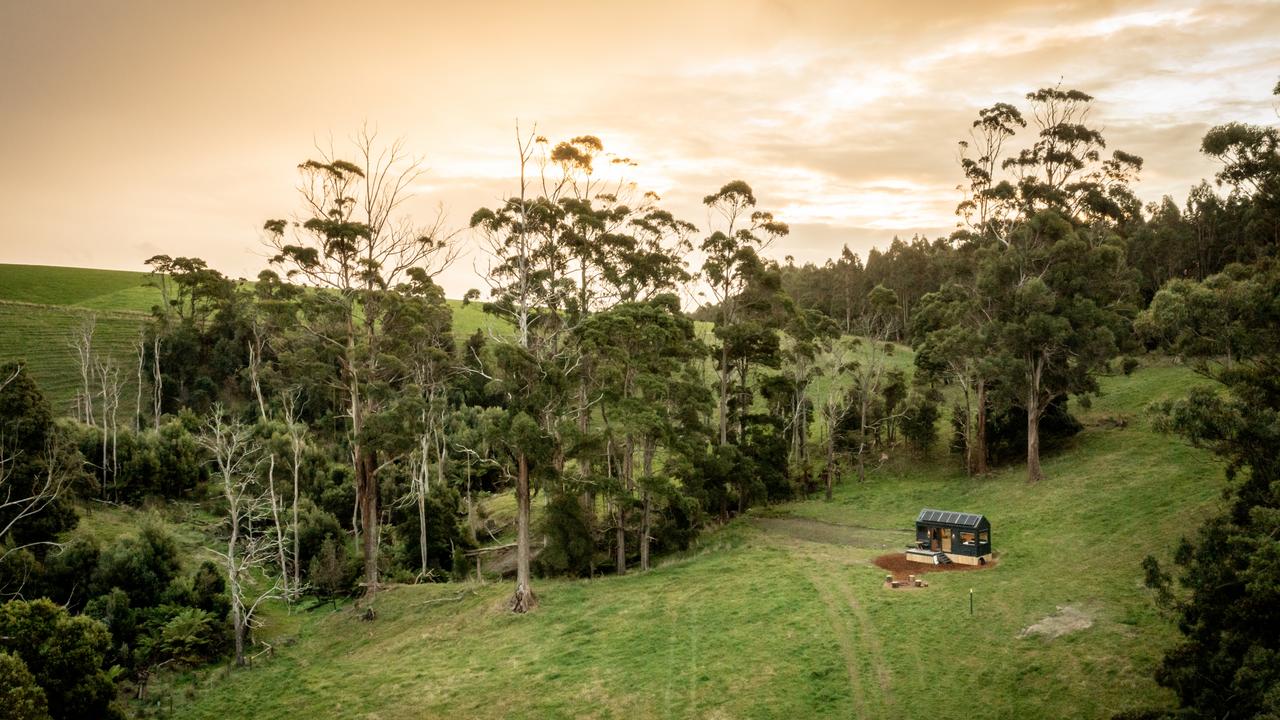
column 20, row 697
column 920, row 422
column 66, row 655
column 192, row 636
column 143, row 566
column 569, row 544
column 329, row 571
column 1128, row 365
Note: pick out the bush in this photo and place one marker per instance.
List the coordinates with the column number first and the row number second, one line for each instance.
column 142, row 567
column 121, row 620
column 569, row 544
column 1128, row 365
column 66, row 655
column 192, row 636
column 446, row 531
column 65, row 573
column 20, row 697
column 1007, row 431
column 314, row 525
column 331, row 571
column 920, row 422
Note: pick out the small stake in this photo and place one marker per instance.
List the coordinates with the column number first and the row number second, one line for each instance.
column 970, row 602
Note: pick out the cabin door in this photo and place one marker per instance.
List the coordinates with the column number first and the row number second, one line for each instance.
column 946, row 540
column 933, row 539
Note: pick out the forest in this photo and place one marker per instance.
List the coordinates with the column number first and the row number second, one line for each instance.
column 337, row 433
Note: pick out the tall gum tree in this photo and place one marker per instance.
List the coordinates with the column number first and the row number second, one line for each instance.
column 736, row 233
column 352, row 241
column 1048, row 265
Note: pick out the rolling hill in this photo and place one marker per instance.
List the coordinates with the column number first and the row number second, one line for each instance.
column 42, row 306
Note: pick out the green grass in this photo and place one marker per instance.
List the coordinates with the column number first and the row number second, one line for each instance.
column 79, row 287
column 782, row 615
column 40, row 337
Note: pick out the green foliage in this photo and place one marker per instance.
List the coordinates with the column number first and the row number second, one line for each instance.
column 20, row 697
column 314, row 526
column 192, row 636
column 330, row 572
column 570, row 545
column 920, row 422
column 141, row 566
column 65, row 654
column 1228, row 597
column 41, row 468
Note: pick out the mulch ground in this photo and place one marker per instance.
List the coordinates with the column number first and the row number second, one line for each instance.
column 901, row 567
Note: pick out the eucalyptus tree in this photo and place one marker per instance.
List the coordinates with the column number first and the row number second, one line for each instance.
column 951, row 333
column 353, row 242
column 529, row 287
column 869, row 369
column 737, row 231
column 1051, row 291
column 639, row 350
column 1062, row 305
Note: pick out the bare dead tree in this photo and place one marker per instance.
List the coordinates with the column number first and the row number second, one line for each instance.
column 257, row 343
column 276, row 502
column 251, row 547
column 19, row 506
column 140, row 349
column 297, row 444
column 81, row 343
column 157, row 380
column 109, row 386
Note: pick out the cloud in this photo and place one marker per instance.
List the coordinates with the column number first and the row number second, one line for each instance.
column 132, row 127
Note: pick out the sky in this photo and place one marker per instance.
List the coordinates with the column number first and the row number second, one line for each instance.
column 133, row 128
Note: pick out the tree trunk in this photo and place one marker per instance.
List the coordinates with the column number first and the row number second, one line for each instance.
column 644, row 532
column 1034, row 474
column 279, row 529
column 831, row 463
column 981, row 450
column 296, row 557
column 646, row 520
column 724, row 394
column 368, row 484
column 422, row 527
column 524, row 599
column 157, row 381
column 862, row 443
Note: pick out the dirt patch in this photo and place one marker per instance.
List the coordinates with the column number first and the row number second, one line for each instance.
column 901, row 567
column 1067, row 620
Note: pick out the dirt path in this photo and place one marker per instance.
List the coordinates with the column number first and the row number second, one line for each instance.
column 828, row 555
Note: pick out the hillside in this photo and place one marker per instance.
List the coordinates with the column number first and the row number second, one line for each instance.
column 42, row 306
column 781, row 614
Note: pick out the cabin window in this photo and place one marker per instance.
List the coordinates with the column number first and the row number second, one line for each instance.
column 966, row 538
column 984, row 536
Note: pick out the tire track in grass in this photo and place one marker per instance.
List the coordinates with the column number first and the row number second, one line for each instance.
column 843, row 632
column 854, row 630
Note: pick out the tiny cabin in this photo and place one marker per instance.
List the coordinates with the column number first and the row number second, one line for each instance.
column 944, row 536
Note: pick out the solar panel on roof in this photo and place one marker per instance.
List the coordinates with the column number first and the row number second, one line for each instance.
column 947, row 517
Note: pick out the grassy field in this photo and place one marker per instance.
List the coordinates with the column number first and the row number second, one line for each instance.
column 782, row 615
column 41, row 307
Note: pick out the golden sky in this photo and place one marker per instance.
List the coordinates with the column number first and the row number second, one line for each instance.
column 135, row 128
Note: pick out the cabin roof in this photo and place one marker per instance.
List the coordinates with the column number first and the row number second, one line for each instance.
column 947, row 517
